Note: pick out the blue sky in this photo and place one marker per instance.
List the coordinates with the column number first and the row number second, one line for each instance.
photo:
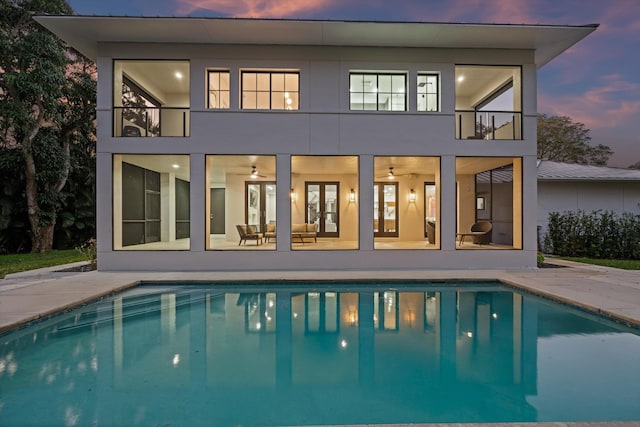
column 596, row 82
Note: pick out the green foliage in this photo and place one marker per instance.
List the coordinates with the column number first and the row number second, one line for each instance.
column 90, row 250
column 562, row 140
column 625, row 264
column 540, row 259
column 47, row 114
column 593, row 235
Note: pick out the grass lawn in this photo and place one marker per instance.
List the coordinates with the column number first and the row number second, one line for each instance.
column 625, row 264
column 21, row 262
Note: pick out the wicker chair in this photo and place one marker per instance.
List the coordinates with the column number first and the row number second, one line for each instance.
column 481, row 233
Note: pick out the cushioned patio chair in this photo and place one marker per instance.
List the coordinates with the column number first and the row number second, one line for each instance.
column 481, row 232
column 248, row 232
column 269, row 232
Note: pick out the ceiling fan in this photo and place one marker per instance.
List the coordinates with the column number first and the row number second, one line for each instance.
column 391, row 175
column 254, row 173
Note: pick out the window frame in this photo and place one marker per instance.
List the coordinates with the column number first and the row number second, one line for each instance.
column 219, row 91
column 270, row 73
column 378, row 74
column 436, row 93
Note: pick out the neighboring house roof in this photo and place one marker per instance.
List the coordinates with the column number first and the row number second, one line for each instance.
column 86, row 32
column 557, row 171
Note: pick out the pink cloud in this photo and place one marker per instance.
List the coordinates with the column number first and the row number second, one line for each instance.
column 254, row 8
column 611, row 102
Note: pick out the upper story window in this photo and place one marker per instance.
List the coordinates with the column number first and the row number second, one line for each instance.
column 218, row 89
column 378, row 91
column 151, row 98
column 488, row 102
column 270, row 90
column 428, row 92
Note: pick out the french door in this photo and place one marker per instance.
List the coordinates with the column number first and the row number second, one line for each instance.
column 260, row 206
column 322, row 202
column 385, row 213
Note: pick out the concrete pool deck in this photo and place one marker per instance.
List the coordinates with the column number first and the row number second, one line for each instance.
column 36, row 294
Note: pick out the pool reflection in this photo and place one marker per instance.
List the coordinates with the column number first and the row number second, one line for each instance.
column 279, row 356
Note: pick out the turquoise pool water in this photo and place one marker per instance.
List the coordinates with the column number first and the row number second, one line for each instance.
column 314, row 354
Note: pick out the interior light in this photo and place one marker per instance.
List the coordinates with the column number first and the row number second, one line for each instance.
column 412, row 196
column 286, row 94
column 470, row 334
column 293, row 195
column 390, row 174
column 289, row 101
column 460, row 78
column 352, row 196
column 175, row 166
column 178, row 75
column 494, row 315
column 343, row 343
column 176, row 359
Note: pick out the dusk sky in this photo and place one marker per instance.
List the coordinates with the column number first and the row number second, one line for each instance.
column 597, row 82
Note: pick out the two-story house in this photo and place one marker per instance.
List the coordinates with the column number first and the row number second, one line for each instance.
column 252, row 144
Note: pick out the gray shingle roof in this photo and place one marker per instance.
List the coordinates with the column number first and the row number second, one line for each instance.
column 556, row 171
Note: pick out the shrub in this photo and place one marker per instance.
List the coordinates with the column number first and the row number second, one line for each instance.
column 599, row 234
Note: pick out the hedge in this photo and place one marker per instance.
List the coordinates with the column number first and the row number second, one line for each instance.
column 598, row 234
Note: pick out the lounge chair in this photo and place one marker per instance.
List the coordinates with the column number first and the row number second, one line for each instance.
column 481, row 232
column 248, row 232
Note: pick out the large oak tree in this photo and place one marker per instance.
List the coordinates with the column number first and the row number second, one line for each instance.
column 47, row 106
column 562, row 140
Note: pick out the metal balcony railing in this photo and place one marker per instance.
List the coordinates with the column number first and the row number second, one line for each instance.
column 150, row 121
column 472, row 124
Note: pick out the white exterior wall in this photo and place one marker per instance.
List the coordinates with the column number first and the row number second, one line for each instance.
column 562, row 196
column 323, row 125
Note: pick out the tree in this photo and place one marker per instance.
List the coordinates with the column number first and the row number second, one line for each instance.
column 46, row 106
column 562, row 140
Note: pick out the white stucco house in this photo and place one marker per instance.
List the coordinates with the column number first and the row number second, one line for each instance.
column 253, row 144
column 566, row 187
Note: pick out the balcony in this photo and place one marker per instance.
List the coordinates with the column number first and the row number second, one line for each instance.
column 151, row 121
column 488, row 125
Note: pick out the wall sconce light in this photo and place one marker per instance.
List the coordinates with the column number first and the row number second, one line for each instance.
column 292, row 194
column 352, row 196
column 412, row 196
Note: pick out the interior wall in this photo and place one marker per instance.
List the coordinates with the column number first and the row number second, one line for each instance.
column 466, row 202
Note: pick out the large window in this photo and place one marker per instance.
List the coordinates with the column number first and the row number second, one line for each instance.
column 240, row 202
column 151, row 198
column 405, row 202
column 488, row 102
column 428, row 92
column 378, row 92
column 151, row 98
column 270, row 90
column 489, row 202
column 218, row 89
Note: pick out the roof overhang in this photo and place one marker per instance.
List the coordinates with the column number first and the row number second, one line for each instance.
column 84, row 33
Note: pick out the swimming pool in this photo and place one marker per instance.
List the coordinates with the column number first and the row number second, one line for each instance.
column 318, row 353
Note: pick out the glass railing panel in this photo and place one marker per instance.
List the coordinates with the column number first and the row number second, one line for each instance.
column 501, row 125
column 151, row 121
